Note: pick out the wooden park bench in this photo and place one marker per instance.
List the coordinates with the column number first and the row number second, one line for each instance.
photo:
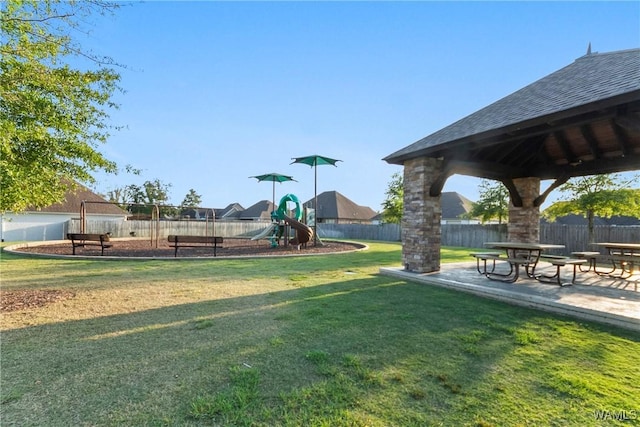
column 80, row 240
column 194, row 242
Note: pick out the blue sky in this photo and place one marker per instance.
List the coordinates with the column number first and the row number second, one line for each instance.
column 220, row 91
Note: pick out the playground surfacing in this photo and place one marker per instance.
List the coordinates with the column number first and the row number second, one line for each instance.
column 232, row 247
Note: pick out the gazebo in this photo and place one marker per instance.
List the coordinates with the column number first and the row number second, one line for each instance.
column 583, row 119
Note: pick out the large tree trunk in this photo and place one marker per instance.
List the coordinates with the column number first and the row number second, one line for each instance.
column 590, row 216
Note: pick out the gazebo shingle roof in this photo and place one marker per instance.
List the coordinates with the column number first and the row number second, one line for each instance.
column 586, row 114
column 590, row 78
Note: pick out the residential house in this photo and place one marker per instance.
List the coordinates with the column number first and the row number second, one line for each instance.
column 260, row 211
column 231, row 212
column 51, row 223
column 454, row 206
column 334, row 208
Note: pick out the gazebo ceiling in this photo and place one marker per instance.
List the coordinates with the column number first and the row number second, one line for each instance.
column 581, row 120
column 606, row 140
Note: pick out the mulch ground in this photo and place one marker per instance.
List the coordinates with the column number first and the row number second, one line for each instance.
column 137, row 248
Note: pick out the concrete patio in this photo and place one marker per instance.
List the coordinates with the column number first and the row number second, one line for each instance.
column 593, row 297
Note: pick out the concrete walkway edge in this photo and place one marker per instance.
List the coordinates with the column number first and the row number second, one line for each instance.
column 520, row 299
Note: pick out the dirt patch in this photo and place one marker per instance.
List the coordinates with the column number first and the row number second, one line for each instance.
column 30, row 299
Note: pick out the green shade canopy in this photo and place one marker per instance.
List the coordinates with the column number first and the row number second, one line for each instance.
column 273, row 177
column 314, row 160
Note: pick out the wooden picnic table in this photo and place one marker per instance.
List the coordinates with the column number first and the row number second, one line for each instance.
column 517, row 254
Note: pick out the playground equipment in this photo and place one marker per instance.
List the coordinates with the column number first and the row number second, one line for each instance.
column 304, row 233
column 154, row 218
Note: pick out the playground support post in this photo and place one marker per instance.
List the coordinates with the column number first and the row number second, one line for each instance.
column 155, row 217
column 83, row 217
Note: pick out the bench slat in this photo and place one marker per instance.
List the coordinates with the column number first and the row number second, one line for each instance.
column 567, row 261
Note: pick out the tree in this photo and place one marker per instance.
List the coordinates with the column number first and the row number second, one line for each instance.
column 150, row 193
column 394, row 203
column 118, row 196
column 596, row 195
column 52, row 117
column 191, row 200
column 493, row 202
column 139, row 199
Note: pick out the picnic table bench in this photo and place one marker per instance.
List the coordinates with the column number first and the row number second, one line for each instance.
column 517, row 254
column 589, row 256
column 514, row 266
column 484, row 257
column 622, row 256
column 80, row 240
column 194, row 242
column 560, row 261
column 626, row 263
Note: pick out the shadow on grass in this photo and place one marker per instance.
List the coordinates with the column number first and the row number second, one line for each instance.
column 371, row 350
column 101, row 274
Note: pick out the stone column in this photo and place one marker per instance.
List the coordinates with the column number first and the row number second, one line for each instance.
column 421, row 232
column 524, row 222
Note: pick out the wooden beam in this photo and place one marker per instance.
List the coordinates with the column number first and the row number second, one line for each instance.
column 587, row 134
column 516, row 199
column 488, row 170
column 565, row 146
column 436, row 186
column 594, row 167
column 529, row 152
column 630, row 123
column 622, row 138
column 557, row 183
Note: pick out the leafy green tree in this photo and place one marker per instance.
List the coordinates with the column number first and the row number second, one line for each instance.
column 117, row 196
column 394, row 203
column 596, row 195
column 52, row 117
column 191, row 200
column 150, row 193
column 493, row 202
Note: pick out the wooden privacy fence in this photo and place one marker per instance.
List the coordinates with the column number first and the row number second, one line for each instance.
column 386, row 232
column 573, row 237
column 166, row 228
column 576, row 237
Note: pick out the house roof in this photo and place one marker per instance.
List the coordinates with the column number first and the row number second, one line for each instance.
column 454, row 205
column 260, row 210
column 73, row 200
column 231, row 211
column 334, row 205
column 583, row 119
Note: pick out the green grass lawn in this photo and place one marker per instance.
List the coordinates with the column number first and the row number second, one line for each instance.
column 309, row 341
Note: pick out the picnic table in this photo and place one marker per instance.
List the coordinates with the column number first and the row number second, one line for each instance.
column 518, row 255
column 624, row 257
